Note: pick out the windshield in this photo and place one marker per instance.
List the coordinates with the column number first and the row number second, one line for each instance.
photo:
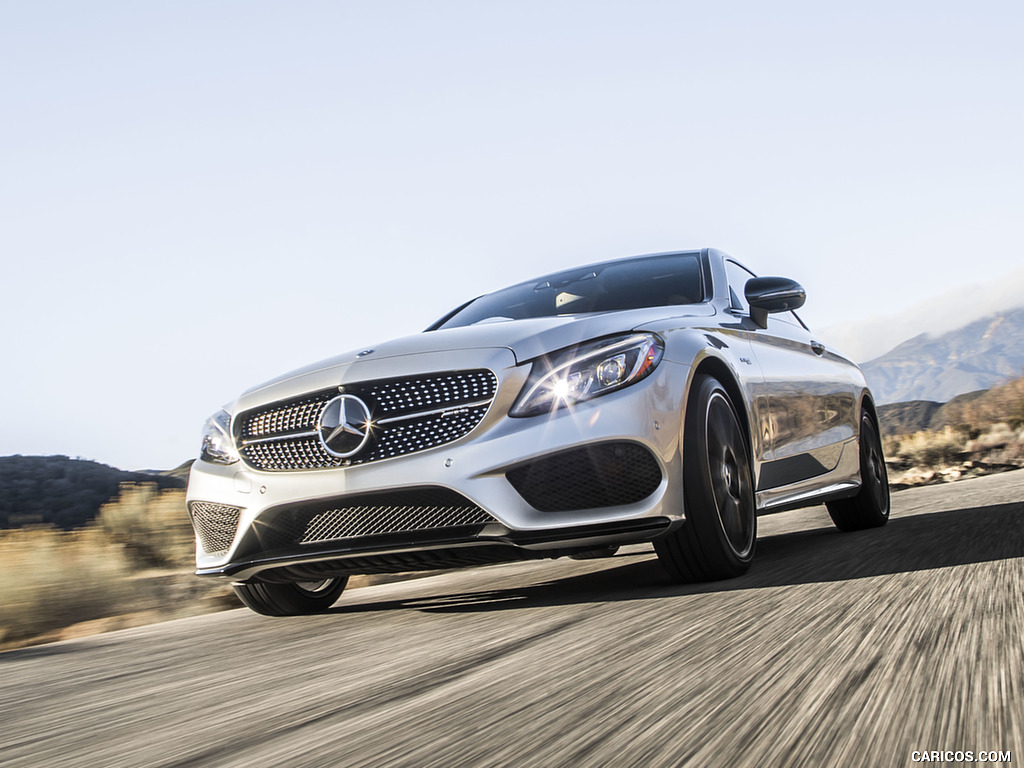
column 651, row 281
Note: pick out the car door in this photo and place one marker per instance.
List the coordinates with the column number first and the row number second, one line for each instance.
column 809, row 393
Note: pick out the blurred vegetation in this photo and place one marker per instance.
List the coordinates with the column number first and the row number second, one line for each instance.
column 150, row 526
column 927, row 449
column 979, row 428
column 134, row 560
column 61, row 491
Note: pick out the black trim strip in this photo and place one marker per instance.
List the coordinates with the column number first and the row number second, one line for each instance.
column 645, row 525
column 642, row 529
column 793, row 469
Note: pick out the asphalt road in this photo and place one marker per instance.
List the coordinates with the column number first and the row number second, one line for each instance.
column 835, row 650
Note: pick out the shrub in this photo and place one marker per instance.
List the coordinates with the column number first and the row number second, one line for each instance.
column 151, row 525
column 931, row 449
column 51, row 579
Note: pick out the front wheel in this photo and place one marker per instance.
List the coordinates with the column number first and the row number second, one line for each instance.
column 718, row 538
column 870, row 507
column 297, row 599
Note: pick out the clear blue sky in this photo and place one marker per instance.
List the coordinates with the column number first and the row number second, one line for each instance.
column 197, row 196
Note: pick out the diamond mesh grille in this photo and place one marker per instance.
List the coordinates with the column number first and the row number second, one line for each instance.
column 418, row 435
column 412, row 402
column 292, row 453
column 604, row 475
column 214, row 524
column 419, row 509
column 350, row 522
column 421, row 394
column 294, row 417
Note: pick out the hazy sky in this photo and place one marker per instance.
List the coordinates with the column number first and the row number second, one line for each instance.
column 197, row 196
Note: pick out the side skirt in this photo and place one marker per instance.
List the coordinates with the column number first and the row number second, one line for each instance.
column 810, row 498
column 841, row 483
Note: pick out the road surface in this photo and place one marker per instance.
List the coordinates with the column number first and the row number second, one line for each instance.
column 835, row 650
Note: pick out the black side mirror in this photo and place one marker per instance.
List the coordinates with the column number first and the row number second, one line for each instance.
column 772, row 294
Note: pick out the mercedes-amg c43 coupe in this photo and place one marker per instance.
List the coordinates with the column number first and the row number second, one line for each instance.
column 670, row 398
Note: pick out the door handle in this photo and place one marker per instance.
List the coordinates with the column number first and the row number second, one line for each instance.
column 818, row 348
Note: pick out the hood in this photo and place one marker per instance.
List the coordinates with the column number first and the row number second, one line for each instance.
column 526, row 339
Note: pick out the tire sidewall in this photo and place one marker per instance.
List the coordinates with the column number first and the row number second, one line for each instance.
column 869, row 438
column 701, row 508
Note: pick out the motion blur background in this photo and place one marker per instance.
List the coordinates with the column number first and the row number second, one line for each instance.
column 197, row 196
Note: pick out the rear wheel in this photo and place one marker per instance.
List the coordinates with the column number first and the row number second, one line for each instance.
column 296, row 599
column 870, row 507
column 718, row 538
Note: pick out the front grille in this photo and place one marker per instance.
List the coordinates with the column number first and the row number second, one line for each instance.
column 603, row 475
column 409, row 415
column 292, row 417
column 352, row 517
column 215, row 525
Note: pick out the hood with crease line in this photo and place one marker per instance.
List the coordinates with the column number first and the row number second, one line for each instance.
column 526, row 339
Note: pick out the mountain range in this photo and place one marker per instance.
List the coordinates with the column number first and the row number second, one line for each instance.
column 980, row 355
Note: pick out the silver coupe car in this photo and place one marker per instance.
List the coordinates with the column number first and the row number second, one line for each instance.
column 670, row 398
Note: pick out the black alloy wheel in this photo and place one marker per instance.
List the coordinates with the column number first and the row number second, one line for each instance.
column 870, row 507
column 718, row 539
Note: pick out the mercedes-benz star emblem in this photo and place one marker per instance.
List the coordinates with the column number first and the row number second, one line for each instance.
column 344, row 426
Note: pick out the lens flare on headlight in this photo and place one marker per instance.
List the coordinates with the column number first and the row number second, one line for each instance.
column 579, row 373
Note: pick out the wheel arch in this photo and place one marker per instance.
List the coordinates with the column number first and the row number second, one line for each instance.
column 714, row 366
column 705, row 547
column 867, row 404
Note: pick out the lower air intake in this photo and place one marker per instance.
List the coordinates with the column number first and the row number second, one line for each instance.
column 215, row 525
column 604, row 475
column 374, row 514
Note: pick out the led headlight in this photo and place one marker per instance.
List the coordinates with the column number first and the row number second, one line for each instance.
column 218, row 447
column 589, row 370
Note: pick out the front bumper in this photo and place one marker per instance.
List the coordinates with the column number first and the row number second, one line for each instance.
column 478, row 468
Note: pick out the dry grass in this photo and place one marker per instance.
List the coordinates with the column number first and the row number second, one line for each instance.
column 134, row 560
column 999, row 443
column 989, row 436
column 952, row 454
column 151, row 526
column 50, row 579
column 927, row 449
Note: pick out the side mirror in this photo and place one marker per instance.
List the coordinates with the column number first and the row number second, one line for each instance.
column 772, row 294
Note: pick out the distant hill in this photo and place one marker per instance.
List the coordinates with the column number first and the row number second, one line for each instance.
column 65, row 492
column 937, row 369
column 918, row 415
column 974, row 410
column 181, row 471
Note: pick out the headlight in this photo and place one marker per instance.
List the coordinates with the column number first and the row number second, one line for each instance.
column 580, row 373
column 218, row 447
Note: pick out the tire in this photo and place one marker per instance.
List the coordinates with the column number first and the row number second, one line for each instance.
column 718, row 539
column 296, row 599
column 595, row 554
column 870, row 507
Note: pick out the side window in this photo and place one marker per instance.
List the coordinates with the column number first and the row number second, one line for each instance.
column 737, row 277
